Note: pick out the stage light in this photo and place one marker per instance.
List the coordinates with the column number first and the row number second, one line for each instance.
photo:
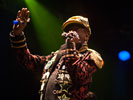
column 124, row 55
column 47, row 26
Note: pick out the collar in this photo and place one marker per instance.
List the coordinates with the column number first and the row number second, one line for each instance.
column 83, row 49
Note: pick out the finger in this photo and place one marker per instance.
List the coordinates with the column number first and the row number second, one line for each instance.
column 19, row 19
column 25, row 10
column 21, row 22
column 17, row 26
column 16, row 22
column 64, row 34
column 75, row 34
column 71, row 40
column 19, row 14
column 22, row 12
column 14, row 26
column 27, row 15
column 68, row 34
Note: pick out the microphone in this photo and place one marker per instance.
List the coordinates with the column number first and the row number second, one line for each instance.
column 69, row 36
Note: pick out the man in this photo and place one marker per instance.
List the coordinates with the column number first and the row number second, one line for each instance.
column 67, row 72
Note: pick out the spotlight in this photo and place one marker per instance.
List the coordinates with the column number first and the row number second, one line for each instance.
column 124, row 55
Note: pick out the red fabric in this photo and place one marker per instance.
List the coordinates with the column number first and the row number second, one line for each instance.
column 29, row 60
column 81, row 74
column 80, row 70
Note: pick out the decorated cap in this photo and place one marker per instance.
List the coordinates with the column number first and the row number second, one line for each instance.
column 77, row 20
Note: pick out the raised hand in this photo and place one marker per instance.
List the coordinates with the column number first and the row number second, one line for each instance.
column 22, row 19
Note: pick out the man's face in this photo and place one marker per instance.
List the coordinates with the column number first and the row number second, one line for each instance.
column 81, row 31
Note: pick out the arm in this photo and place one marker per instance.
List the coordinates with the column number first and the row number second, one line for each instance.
column 23, row 55
column 18, row 43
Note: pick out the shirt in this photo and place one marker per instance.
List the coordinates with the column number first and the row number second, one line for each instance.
column 77, row 69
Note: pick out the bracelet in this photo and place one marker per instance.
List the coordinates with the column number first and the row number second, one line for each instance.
column 12, row 41
column 18, row 41
column 21, row 46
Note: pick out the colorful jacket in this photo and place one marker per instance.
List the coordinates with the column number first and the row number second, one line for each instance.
column 66, row 79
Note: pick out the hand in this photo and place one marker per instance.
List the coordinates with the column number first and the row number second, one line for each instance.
column 72, row 38
column 22, row 18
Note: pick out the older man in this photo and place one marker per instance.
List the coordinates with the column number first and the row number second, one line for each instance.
column 67, row 73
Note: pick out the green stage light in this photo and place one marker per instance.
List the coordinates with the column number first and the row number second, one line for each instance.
column 47, row 26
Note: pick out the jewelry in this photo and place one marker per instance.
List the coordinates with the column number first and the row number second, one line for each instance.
column 15, row 22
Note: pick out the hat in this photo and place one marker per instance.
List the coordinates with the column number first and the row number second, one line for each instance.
column 77, row 20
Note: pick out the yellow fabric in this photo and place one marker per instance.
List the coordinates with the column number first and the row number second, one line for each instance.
column 18, row 41
column 95, row 56
column 22, row 46
column 79, row 20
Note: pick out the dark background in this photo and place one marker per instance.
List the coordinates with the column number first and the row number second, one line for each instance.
column 112, row 31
